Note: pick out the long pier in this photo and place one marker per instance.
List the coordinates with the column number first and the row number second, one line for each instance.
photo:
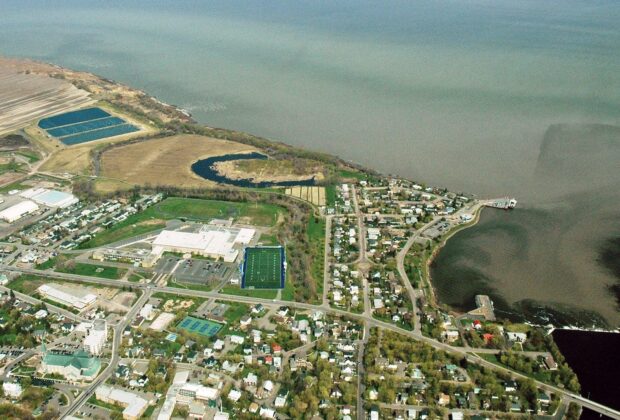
column 504, row 203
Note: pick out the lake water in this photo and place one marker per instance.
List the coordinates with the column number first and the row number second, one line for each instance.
column 456, row 93
column 595, row 359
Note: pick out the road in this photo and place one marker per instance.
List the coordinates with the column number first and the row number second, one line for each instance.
column 116, row 341
column 400, row 265
column 361, row 388
column 338, row 312
column 326, row 255
column 362, row 262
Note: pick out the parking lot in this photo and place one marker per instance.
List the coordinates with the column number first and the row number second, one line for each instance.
column 196, row 271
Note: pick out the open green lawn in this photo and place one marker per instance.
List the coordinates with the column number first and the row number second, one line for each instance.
column 27, row 283
column 288, row 293
column 316, row 236
column 14, row 186
column 351, row 174
column 154, row 217
column 257, row 293
column 190, row 286
column 235, row 311
column 93, row 270
column 330, row 195
column 205, row 210
column 268, row 240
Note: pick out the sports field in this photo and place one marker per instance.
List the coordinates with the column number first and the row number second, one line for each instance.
column 199, row 326
column 263, row 268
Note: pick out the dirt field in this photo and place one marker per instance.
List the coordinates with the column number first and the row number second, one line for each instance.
column 315, row 195
column 164, row 161
column 73, row 160
column 13, row 142
column 25, row 97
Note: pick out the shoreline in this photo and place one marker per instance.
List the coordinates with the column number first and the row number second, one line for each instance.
column 78, row 78
column 439, row 247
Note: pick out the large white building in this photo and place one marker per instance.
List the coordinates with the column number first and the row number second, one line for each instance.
column 97, row 336
column 134, row 404
column 64, row 297
column 210, row 241
column 18, row 211
column 12, row 389
column 50, row 198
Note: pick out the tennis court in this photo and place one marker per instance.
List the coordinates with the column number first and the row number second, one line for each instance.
column 263, row 268
column 199, row 326
column 85, row 125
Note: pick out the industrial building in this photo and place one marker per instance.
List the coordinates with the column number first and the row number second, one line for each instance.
column 135, row 405
column 65, row 297
column 210, row 241
column 18, row 211
column 50, row 198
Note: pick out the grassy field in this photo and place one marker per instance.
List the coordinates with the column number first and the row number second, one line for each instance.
column 316, row 236
column 92, row 270
column 268, row 240
column 257, row 293
column 205, row 210
column 14, row 186
column 27, row 283
column 347, row 174
column 330, row 195
column 190, row 286
column 154, row 217
column 235, row 311
column 288, row 293
column 165, row 161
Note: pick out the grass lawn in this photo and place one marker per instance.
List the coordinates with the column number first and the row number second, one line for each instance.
column 257, row 293
column 154, row 217
column 51, row 263
column 92, row 270
column 135, row 278
column 316, row 237
column 14, row 186
column 190, row 286
column 539, row 376
column 113, row 407
column 27, row 283
column 330, row 195
column 205, row 210
column 268, row 240
column 346, row 174
column 235, row 311
column 288, row 293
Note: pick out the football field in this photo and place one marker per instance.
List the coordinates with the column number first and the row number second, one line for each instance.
column 263, row 268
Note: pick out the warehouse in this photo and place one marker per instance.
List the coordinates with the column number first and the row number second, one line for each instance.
column 209, row 242
column 64, row 297
column 18, row 211
column 50, row 198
